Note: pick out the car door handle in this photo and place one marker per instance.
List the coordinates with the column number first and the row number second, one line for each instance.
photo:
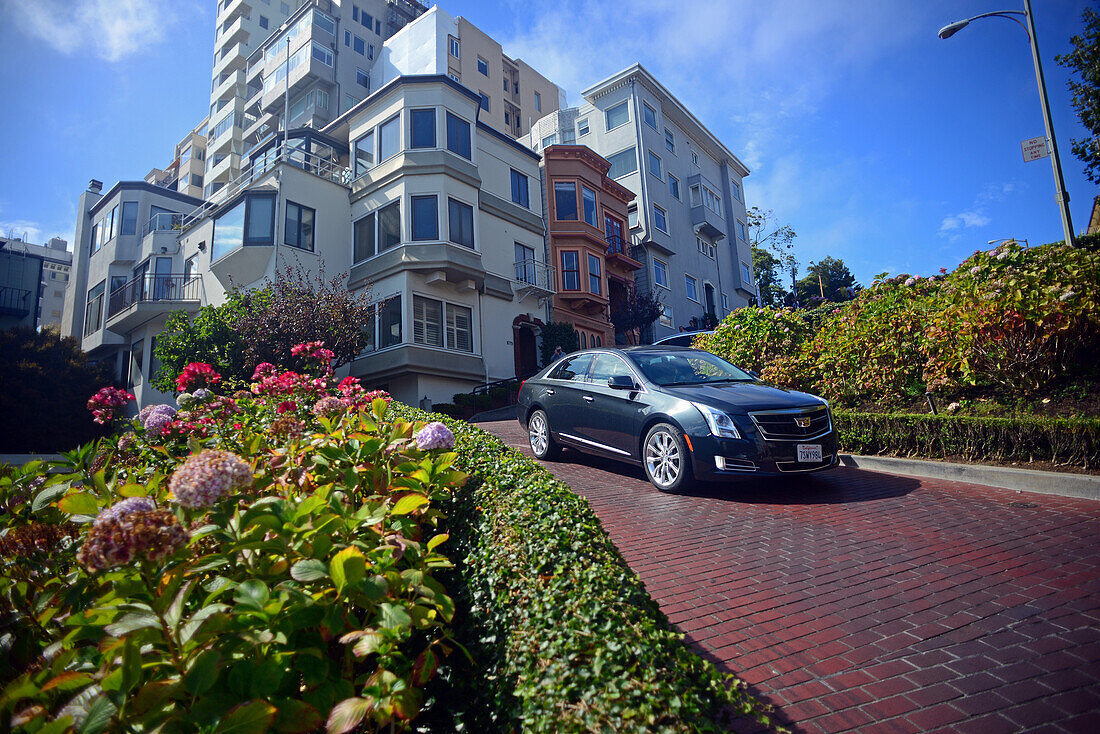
column 589, row 398
column 549, row 392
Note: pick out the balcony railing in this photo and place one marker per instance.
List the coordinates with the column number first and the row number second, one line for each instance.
column 14, row 301
column 161, row 222
column 534, row 274
column 616, row 245
column 154, row 288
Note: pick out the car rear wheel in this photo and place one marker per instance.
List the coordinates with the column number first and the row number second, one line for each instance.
column 666, row 460
column 543, row 445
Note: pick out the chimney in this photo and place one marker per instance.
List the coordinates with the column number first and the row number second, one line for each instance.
column 95, row 186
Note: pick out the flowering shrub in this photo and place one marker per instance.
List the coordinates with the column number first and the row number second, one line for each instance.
column 108, row 404
column 197, row 375
column 229, row 567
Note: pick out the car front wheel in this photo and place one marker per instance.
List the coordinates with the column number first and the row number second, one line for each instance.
column 543, row 445
column 666, row 460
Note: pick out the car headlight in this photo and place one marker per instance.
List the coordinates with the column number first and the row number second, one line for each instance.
column 720, row 424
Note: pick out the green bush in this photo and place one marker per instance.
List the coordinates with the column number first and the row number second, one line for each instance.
column 558, row 334
column 45, row 381
column 1070, row 441
column 565, row 636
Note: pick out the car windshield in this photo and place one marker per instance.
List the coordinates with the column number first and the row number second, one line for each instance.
column 688, row 368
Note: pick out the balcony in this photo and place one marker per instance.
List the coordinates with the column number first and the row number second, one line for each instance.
column 152, row 295
column 533, row 278
column 230, row 9
column 162, row 222
column 232, row 58
column 619, row 253
column 233, row 86
column 15, row 302
column 233, row 32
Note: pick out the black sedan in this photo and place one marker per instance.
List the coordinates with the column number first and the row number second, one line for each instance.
column 683, row 414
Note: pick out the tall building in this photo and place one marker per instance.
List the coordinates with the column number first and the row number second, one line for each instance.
column 688, row 223
column 52, row 261
column 186, row 172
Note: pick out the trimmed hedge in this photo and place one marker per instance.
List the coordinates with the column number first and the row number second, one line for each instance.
column 1073, row 441
column 565, row 636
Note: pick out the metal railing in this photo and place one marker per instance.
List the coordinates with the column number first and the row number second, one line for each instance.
column 13, row 301
column 534, row 273
column 616, row 245
column 161, row 222
column 322, row 166
column 152, row 287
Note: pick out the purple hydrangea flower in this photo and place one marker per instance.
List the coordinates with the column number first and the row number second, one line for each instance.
column 209, row 476
column 435, row 435
column 329, row 406
column 156, row 417
column 911, row 281
column 126, row 442
column 201, row 394
column 150, row 534
column 975, row 270
column 125, row 507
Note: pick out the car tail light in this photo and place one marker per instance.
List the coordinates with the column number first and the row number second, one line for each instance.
column 521, row 384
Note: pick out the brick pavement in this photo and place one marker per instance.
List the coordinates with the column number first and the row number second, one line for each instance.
column 871, row 602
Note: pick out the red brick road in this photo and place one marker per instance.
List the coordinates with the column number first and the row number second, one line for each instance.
column 871, row 602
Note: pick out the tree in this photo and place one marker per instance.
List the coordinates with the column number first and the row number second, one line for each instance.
column 766, row 233
column 829, row 276
column 46, row 381
column 262, row 325
column 767, row 270
column 558, row 334
column 636, row 311
column 1084, row 60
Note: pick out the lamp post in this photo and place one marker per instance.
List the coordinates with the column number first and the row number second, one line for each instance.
column 1060, row 185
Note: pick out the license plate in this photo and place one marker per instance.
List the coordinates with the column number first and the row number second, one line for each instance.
column 809, row 452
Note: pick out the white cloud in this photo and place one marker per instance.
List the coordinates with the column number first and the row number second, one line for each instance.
column 112, row 29
column 24, row 229
column 964, row 219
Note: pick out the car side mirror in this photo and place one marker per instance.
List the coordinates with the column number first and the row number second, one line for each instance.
column 621, row 382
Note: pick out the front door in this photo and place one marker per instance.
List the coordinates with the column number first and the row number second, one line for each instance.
column 611, row 415
column 526, row 351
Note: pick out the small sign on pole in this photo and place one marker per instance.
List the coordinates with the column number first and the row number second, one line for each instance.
column 1034, row 149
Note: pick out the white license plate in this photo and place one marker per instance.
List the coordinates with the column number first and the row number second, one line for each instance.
column 809, row 452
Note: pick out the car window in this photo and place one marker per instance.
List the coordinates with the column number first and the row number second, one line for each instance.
column 688, row 368
column 573, row 368
column 608, row 366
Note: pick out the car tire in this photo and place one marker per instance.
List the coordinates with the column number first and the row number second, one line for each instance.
column 666, row 460
column 542, row 443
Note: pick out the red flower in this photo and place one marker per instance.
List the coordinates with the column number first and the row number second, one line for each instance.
column 286, row 405
column 196, row 375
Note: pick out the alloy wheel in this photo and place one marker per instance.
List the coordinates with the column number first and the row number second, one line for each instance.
column 662, row 458
column 539, row 434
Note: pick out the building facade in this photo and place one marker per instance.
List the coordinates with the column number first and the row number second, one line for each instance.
column 587, row 215
column 20, row 277
column 688, row 225
column 54, row 276
column 186, row 173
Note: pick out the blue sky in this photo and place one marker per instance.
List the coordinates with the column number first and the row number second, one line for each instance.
column 875, row 140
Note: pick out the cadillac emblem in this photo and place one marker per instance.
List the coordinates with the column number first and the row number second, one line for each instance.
column 802, row 422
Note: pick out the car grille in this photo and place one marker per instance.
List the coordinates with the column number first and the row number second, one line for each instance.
column 795, row 466
column 782, row 425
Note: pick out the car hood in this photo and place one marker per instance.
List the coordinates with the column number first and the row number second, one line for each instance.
column 740, row 397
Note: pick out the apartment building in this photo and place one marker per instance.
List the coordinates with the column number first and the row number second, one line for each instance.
column 21, row 260
column 187, row 171
column 587, row 233
column 688, row 222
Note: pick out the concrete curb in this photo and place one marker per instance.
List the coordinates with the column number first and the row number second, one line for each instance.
column 21, row 459
column 1084, row 486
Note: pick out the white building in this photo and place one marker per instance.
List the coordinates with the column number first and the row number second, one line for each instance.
column 688, row 223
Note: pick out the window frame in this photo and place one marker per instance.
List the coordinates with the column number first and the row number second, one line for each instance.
column 742, row 232
column 557, row 207
column 98, row 299
column 373, row 235
column 565, row 271
column 414, row 235
column 691, row 288
column 455, row 146
column 583, row 123
column 659, row 213
column 130, row 207
column 594, row 259
column 650, row 158
column 607, row 115
column 457, row 205
column 453, row 47
column 395, row 121
column 370, row 150
column 665, row 319
column 670, row 141
column 521, row 191
column 633, row 150
column 674, row 187
column 660, row 273
column 645, row 117
column 595, row 209
column 482, row 63
column 423, row 113
column 300, row 223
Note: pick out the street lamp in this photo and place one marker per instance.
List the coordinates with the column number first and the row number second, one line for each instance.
column 1061, row 195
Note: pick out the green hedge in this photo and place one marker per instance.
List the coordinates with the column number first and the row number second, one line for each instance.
column 564, row 635
column 1073, row 441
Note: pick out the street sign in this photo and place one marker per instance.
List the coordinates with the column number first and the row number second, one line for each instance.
column 1034, row 149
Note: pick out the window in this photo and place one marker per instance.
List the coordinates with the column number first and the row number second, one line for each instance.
column 649, row 115
column 670, row 141
column 725, row 302
column 660, row 273
column 549, row 140
column 298, row 228
column 354, row 13
column 459, row 328
column 129, row 216
column 660, row 220
column 570, row 271
column 705, row 247
column 525, row 263
column 425, row 220
column 388, row 133
column 594, row 274
column 377, row 27
column 362, row 78
column 673, row 186
column 423, row 128
column 655, row 164
column 565, row 201
column 505, row 85
column 389, row 226
column 347, row 38
column 95, row 238
column 263, row 22
column 588, row 198
column 93, row 314
column 666, row 315
column 350, row 101
column 584, row 340
column 427, row 321
column 736, row 187
column 363, row 238
column 746, row 273
column 322, row 54
column 704, row 196
column 189, row 267
column 573, row 369
column 389, row 322
column 632, row 217
column 483, row 66
column 454, row 77
column 622, row 163
column 458, row 136
column 520, row 193
column 617, row 115
column 260, row 220
column 741, row 231
column 484, row 101
column 538, row 102
column 228, row 232
column 690, row 285
column 364, row 154
column 359, row 45
column 694, row 158
column 452, row 46
column 460, row 222
column 370, row 51
column 582, row 127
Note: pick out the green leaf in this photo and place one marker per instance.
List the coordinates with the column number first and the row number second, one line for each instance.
column 347, row 568
column 409, row 503
column 131, row 623
column 393, row 615
column 203, row 672
column 254, row 717
column 67, row 681
column 131, row 666
column 133, row 490
column 252, row 594
column 295, row 717
column 98, row 717
column 79, row 503
column 197, row 619
column 175, row 609
column 368, row 643
column 46, row 497
column 308, row 570
column 347, row 714
column 437, row 540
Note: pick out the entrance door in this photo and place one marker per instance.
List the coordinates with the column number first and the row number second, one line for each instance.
column 526, row 351
column 708, row 293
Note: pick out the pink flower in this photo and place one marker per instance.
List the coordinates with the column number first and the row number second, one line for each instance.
column 262, row 370
column 209, row 476
column 286, row 405
column 107, row 403
column 197, row 374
